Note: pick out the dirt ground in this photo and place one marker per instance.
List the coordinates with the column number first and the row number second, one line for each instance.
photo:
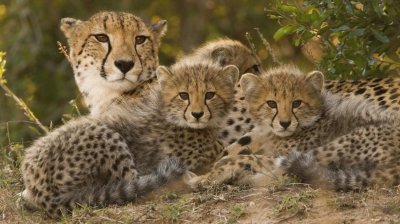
column 280, row 202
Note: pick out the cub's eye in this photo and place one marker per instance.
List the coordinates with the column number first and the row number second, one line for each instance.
column 210, row 95
column 140, row 39
column 184, row 95
column 296, row 103
column 272, row 104
column 101, row 38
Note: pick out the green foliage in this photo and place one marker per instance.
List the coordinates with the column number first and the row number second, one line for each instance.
column 359, row 38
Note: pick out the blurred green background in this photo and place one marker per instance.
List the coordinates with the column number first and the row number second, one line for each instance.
column 345, row 39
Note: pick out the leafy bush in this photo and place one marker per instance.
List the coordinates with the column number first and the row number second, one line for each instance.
column 359, row 38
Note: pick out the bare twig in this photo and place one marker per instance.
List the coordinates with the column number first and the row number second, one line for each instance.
column 268, row 47
column 252, row 47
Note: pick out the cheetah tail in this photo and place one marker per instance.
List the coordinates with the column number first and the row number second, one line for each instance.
column 168, row 170
column 120, row 192
column 304, row 167
column 117, row 192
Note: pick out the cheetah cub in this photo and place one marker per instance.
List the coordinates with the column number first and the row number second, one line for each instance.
column 294, row 113
column 111, row 53
column 135, row 147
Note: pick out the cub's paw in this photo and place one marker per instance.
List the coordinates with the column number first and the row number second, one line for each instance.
column 196, row 182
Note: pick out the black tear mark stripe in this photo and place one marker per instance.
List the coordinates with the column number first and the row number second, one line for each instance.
column 84, row 44
column 184, row 112
column 294, row 115
column 273, row 118
column 102, row 72
column 208, row 108
column 140, row 61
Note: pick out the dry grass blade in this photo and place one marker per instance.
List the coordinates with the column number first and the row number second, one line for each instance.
column 268, row 47
column 63, row 50
column 252, row 47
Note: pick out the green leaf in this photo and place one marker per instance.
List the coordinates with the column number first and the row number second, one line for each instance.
column 307, row 35
column 380, row 36
column 284, row 31
column 288, row 8
column 274, row 16
column 356, row 32
column 340, row 28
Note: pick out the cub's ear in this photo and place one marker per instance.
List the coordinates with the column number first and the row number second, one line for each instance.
column 67, row 25
column 249, row 82
column 230, row 73
column 316, row 78
column 159, row 28
column 163, row 75
column 221, row 56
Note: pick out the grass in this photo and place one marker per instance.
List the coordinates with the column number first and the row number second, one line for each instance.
column 295, row 203
column 235, row 213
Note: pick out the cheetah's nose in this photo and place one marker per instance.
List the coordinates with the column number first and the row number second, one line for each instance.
column 197, row 115
column 285, row 124
column 124, row 66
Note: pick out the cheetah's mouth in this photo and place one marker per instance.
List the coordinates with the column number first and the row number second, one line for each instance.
column 283, row 133
column 197, row 124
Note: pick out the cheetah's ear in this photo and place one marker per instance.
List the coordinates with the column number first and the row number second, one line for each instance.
column 68, row 24
column 249, row 82
column 221, row 56
column 316, row 78
column 159, row 28
column 163, row 75
column 230, row 73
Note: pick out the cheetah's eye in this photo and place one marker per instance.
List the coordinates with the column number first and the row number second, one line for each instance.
column 101, row 38
column 184, row 95
column 140, row 39
column 272, row 104
column 210, row 95
column 296, row 103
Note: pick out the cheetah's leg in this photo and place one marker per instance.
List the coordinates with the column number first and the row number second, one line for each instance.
column 249, row 143
column 253, row 170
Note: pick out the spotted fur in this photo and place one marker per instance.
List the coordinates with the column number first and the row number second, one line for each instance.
column 380, row 96
column 336, row 131
column 119, row 155
column 111, row 53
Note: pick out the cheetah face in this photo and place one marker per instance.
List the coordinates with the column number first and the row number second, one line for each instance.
column 112, row 50
column 284, row 99
column 196, row 95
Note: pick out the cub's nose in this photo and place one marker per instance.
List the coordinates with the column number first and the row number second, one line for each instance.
column 197, row 115
column 124, row 66
column 284, row 124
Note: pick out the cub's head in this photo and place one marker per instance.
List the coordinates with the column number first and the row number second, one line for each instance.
column 112, row 50
column 196, row 95
column 284, row 98
column 230, row 52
